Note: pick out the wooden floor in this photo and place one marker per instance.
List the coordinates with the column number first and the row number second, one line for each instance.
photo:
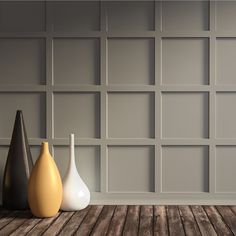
column 125, row 220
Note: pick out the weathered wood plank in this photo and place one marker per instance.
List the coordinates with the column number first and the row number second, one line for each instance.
column 220, row 227
column 89, row 221
column 160, row 227
column 190, row 225
column 228, row 216
column 8, row 218
column 233, row 209
column 204, row 224
column 26, row 227
column 73, row 224
column 42, row 225
column 175, row 224
column 146, row 221
column 58, row 224
column 4, row 212
column 103, row 221
column 118, row 221
column 20, row 218
column 132, row 221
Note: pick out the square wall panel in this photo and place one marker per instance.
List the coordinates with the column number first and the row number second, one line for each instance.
column 131, row 61
column 22, row 16
column 185, row 115
column 225, row 115
column 225, row 59
column 225, row 15
column 185, row 15
column 131, row 15
column 77, row 113
column 225, row 168
column 33, row 106
column 3, row 159
column 87, row 159
column 131, row 168
column 185, row 169
column 131, row 115
column 185, row 61
column 72, row 16
column 76, row 61
column 22, row 61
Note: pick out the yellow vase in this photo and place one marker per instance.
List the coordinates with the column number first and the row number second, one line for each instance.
column 45, row 186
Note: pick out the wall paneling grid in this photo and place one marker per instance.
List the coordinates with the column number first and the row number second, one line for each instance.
column 148, row 88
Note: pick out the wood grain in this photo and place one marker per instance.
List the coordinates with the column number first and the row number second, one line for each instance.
column 125, row 220
column 175, row 224
column 189, row 223
column 19, row 219
column 146, row 221
column 217, row 221
column 132, row 221
column 89, row 221
column 118, row 221
column 204, row 223
column 103, row 221
column 42, row 226
column 229, row 217
column 74, row 222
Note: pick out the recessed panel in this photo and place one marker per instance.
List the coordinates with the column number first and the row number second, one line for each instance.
column 185, row 15
column 3, row 158
column 185, row 169
column 131, row 61
column 225, row 15
column 225, row 115
column 131, row 115
column 184, row 115
column 225, row 169
column 185, row 61
column 33, row 106
column 87, row 159
column 72, row 16
column 76, row 113
column 22, row 16
column 22, row 61
column 131, row 169
column 76, row 61
column 131, row 15
column 226, row 57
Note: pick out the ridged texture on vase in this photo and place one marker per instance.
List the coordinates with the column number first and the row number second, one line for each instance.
column 18, row 167
column 76, row 195
column 45, row 186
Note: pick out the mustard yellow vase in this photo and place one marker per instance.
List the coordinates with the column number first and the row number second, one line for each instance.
column 45, row 186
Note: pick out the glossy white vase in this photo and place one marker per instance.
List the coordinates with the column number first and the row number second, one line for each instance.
column 76, row 195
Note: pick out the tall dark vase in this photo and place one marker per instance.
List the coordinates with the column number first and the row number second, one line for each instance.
column 18, row 167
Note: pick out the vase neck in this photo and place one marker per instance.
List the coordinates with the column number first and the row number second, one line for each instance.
column 44, row 148
column 72, row 151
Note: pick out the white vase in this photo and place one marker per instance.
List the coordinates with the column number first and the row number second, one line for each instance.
column 76, row 195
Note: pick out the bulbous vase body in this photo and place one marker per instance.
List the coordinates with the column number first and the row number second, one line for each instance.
column 76, row 195
column 45, row 186
column 18, row 167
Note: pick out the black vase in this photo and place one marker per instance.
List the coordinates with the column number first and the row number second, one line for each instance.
column 18, row 167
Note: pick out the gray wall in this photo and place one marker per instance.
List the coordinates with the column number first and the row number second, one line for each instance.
column 148, row 88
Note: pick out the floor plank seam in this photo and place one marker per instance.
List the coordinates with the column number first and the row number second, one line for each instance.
column 210, row 220
column 65, row 224
column 127, row 210
column 182, row 220
column 190, row 207
column 167, row 219
column 81, row 221
column 91, row 231
column 111, row 219
column 223, row 219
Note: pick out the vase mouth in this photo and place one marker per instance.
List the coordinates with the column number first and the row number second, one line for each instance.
column 44, row 146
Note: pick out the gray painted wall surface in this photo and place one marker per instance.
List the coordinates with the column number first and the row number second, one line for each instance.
column 148, row 88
